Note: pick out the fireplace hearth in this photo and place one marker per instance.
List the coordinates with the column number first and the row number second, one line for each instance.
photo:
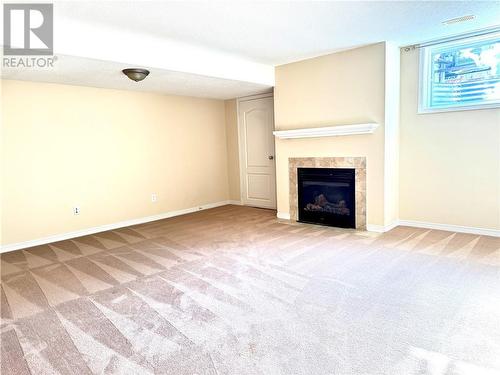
column 326, row 196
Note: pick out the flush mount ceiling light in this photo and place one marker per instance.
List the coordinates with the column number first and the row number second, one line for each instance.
column 468, row 17
column 136, row 74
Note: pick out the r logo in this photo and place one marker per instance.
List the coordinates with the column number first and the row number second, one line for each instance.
column 28, row 29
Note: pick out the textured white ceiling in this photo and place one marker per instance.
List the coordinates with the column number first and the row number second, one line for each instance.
column 227, row 49
column 277, row 32
column 107, row 74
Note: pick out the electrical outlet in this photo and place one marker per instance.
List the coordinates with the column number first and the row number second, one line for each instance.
column 76, row 210
column 154, row 197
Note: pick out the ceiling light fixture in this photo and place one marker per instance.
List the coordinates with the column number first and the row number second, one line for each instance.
column 136, row 74
column 451, row 21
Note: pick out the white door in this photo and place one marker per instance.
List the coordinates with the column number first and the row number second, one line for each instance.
column 258, row 169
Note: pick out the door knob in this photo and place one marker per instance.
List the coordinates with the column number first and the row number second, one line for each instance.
column 270, row 157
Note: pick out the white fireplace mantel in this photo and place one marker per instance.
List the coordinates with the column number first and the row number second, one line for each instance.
column 328, row 131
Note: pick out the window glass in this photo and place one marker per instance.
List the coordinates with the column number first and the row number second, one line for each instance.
column 461, row 75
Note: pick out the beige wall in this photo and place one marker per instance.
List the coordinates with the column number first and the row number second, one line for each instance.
column 449, row 162
column 233, row 164
column 391, row 130
column 445, row 166
column 341, row 88
column 106, row 151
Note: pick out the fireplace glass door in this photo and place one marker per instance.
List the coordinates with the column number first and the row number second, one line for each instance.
column 327, row 196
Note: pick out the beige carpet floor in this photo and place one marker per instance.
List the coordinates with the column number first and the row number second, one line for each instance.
column 233, row 291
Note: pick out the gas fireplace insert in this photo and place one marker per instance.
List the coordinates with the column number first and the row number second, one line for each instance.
column 326, row 196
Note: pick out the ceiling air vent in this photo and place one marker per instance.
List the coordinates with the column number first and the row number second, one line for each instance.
column 459, row 19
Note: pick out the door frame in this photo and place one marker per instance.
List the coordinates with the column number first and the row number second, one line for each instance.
column 241, row 156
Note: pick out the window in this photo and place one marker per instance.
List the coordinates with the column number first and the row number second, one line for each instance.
column 460, row 75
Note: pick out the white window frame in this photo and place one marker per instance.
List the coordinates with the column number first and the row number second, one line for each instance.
column 424, row 79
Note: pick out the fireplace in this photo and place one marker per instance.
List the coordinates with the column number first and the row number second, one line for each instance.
column 327, row 196
column 356, row 163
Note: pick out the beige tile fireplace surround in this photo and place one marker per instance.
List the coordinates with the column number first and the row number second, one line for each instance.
column 358, row 163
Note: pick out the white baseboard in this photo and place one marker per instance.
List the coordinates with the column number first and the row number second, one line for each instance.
column 103, row 228
column 283, row 215
column 420, row 224
column 280, row 215
column 235, row 202
column 451, row 228
column 381, row 228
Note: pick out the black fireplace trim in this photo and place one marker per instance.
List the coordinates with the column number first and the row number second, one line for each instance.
column 327, row 219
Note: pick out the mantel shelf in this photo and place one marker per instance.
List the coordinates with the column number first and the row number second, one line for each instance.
column 328, row 131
